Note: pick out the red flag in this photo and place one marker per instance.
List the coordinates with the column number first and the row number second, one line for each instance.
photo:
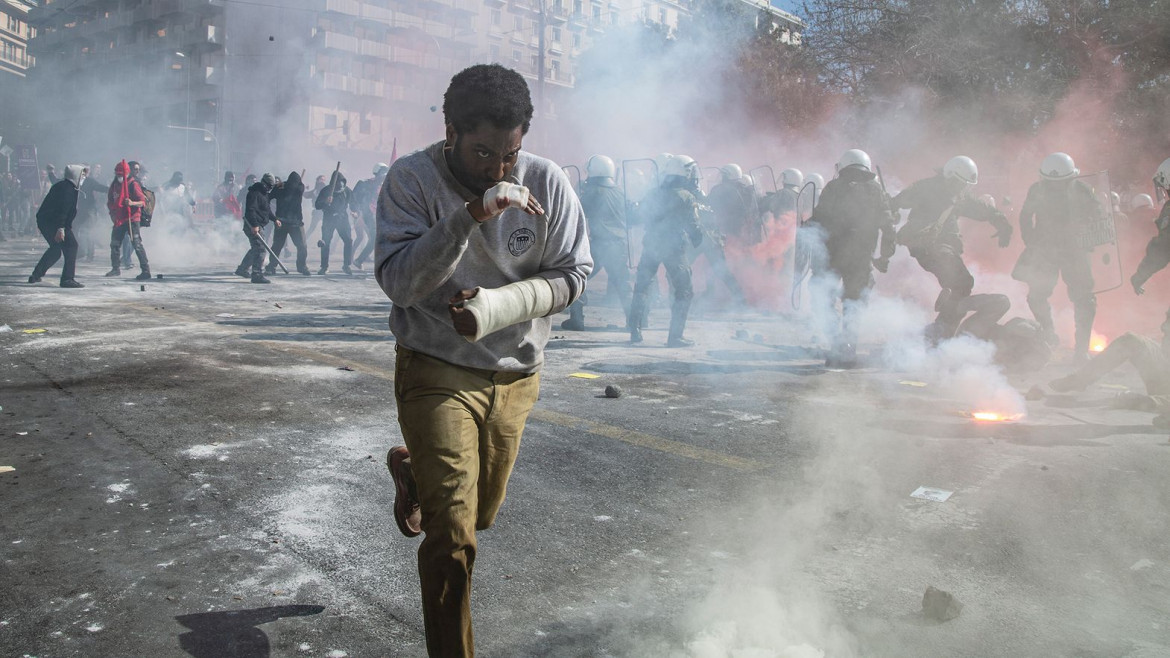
column 394, row 151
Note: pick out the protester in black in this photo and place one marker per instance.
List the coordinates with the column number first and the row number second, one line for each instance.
column 55, row 222
column 290, row 221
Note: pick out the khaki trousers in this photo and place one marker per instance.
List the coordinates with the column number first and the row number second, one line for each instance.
column 462, row 427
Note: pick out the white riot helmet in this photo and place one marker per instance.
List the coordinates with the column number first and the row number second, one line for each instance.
column 731, row 172
column 1058, row 166
column 854, row 158
column 1141, row 201
column 671, row 166
column 1115, row 200
column 987, row 199
column 381, row 168
column 817, row 180
column 791, row 178
column 748, row 181
column 662, row 161
column 961, row 168
column 600, row 166
column 1162, row 176
column 684, row 166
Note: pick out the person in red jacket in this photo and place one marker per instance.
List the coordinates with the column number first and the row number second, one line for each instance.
column 125, row 200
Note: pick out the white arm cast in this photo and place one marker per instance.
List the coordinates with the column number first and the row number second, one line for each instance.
column 496, row 308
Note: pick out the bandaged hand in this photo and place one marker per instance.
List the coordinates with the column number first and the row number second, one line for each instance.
column 481, row 311
column 506, row 195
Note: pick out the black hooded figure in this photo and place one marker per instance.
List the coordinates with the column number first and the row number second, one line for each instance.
column 290, row 221
column 55, row 222
column 334, row 201
column 257, row 215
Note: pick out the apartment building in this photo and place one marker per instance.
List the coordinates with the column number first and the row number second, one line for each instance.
column 15, row 33
column 209, row 85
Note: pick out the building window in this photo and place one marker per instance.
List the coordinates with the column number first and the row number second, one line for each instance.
column 161, row 32
column 518, row 23
column 597, row 13
column 515, row 56
column 576, row 41
column 496, row 18
column 494, row 53
column 662, row 16
column 577, row 7
column 555, row 72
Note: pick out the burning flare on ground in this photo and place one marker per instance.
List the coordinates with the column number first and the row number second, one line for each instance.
column 1098, row 343
column 994, row 416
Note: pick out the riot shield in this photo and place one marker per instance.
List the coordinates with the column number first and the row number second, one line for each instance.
column 764, row 180
column 638, row 177
column 1098, row 234
column 709, row 177
column 806, row 200
column 574, row 174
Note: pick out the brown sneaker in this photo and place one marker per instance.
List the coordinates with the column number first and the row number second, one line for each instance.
column 406, row 510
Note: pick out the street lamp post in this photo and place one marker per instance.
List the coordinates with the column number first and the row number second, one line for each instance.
column 187, row 135
column 213, row 141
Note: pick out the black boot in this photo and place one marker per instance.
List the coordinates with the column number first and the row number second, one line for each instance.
column 258, row 277
column 678, row 322
column 576, row 321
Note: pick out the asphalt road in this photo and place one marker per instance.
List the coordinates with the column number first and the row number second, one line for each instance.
column 198, row 471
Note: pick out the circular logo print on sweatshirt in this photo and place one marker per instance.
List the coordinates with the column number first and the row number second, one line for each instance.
column 521, row 241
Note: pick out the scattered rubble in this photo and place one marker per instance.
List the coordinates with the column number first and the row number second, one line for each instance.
column 613, row 391
column 939, row 605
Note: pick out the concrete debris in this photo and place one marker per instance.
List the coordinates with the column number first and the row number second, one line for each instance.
column 142, row 288
column 741, row 334
column 930, row 493
column 939, row 605
column 7, row 469
column 759, row 338
column 5, row 329
column 1035, row 393
column 345, row 368
column 613, row 391
column 225, row 315
column 158, row 276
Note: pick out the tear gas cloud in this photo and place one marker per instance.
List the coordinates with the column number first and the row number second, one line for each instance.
column 680, row 100
column 764, row 603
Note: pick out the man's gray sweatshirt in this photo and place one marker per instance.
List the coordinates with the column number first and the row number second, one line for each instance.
column 429, row 248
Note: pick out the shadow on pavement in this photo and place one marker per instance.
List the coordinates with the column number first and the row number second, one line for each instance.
column 234, row 633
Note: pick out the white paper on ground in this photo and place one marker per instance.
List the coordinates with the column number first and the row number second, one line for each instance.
column 930, row 493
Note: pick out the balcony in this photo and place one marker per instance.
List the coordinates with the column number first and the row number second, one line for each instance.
column 346, row 7
column 343, row 42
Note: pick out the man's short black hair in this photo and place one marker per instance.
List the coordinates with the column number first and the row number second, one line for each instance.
column 487, row 92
